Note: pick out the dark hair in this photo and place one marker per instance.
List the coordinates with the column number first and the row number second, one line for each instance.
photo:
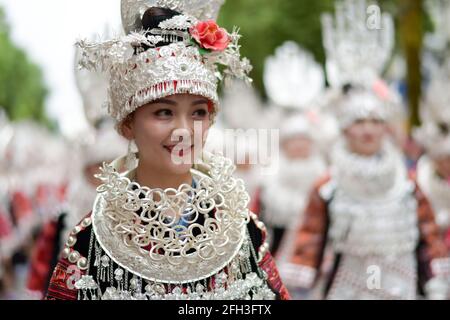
column 154, row 16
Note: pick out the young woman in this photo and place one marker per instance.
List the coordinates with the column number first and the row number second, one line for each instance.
column 176, row 225
column 371, row 215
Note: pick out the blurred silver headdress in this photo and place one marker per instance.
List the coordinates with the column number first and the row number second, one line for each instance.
column 434, row 134
column 242, row 106
column 35, row 156
column 93, row 88
column 358, row 45
column 141, row 69
column 100, row 142
column 292, row 78
column 243, row 111
column 294, row 81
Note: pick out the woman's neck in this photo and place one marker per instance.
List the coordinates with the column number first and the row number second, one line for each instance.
column 157, row 179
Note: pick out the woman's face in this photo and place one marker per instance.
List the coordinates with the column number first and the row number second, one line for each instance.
column 442, row 165
column 297, row 147
column 164, row 132
column 365, row 136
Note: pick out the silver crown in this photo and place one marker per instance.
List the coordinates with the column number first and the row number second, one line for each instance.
column 138, row 76
column 133, row 10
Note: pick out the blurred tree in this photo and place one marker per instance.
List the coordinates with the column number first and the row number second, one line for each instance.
column 266, row 24
column 412, row 28
column 22, row 91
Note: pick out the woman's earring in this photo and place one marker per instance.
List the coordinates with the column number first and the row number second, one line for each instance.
column 131, row 160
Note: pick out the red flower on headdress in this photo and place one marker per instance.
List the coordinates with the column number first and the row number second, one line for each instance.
column 210, row 36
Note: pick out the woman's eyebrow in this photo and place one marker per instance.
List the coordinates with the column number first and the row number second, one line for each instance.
column 201, row 101
column 165, row 101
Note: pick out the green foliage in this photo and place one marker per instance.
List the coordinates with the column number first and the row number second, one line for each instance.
column 22, row 92
column 266, row 24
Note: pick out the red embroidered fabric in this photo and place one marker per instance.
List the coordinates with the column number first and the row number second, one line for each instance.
column 41, row 258
column 62, row 284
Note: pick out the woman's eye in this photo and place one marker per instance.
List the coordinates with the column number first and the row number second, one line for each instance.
column 201, row 113
column 163, row 113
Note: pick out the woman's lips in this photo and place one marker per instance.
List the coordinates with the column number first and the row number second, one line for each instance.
column 182, row 150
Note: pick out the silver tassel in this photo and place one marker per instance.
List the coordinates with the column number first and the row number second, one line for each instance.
column 244, row 259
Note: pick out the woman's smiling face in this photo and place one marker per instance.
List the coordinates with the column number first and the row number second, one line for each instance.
column 164, row 131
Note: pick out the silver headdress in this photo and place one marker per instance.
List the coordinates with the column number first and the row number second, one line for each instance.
column 93, row 88
column 434, row 134
column 295, row 81
column 358, row 45
column 298, row 124
column 292, row 78
column 132, row 10
column 139, row 76
column 100, row 142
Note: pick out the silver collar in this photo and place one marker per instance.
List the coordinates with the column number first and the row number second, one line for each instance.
column 157, row 235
